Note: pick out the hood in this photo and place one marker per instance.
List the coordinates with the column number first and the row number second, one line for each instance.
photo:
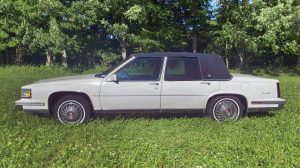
column 67, row 79
column 76, row 81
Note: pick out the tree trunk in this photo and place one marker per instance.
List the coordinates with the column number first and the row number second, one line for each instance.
column 10, row 55
column 242, row 61
column 123, row 48
column 64, row 58
column 226, row 55
column 49, row 58
column 1, row 59
column 19, row 54
column 195, row 42
column 7, row 56
column 7, row 59
column 162, row 2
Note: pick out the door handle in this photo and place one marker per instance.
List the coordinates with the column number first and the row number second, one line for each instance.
column 156, row 84
column 205, row 83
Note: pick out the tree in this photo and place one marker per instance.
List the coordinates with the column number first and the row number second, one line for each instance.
column 120, row 15
column 42, row 30
column 235, row 20
column 84, row 32
column 194, row 19
column 11, row 28
column 278, row 27
column 54, row 26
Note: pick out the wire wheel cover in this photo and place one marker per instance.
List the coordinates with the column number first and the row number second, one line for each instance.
column 226, row 109
column 71, row 112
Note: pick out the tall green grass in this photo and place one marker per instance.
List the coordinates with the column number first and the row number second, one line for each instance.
column 30, row 141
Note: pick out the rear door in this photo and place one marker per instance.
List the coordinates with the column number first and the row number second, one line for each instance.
column 182, row 87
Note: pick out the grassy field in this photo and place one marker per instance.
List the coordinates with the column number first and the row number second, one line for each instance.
column 30, row 141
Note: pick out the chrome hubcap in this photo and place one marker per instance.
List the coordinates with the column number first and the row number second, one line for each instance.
column 71, row 112
column 226, row 109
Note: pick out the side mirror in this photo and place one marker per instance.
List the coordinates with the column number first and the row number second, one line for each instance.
column 112, row 78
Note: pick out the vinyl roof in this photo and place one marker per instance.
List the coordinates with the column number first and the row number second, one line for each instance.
column 172, row 54
column 212, row 65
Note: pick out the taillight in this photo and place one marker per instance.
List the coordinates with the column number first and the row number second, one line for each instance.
column 278, row 90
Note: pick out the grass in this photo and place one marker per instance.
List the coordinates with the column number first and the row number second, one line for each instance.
column 31, row 141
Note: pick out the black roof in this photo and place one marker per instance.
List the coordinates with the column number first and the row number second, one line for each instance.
column 212, row 65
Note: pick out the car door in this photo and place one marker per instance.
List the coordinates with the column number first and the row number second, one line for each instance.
column 138, row 86
column 182, row 87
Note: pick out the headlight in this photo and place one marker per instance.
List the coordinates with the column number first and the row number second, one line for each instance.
column 26, row 93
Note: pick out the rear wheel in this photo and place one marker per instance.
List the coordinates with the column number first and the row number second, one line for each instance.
column 72, row 109
column 225, row 108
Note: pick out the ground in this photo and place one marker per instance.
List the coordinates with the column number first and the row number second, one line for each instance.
column 270, row 140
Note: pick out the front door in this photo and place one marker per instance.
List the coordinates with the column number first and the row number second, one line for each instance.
column 182, row 87
column 138, row 86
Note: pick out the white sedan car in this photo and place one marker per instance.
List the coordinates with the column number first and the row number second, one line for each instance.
column 154, row 82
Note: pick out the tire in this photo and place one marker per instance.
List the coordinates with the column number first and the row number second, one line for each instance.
column 72, row 109
column 225, row 108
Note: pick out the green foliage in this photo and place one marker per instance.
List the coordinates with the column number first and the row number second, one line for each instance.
column 247, row 32
column 252, row 29
column 119, row 30
column 276, row 25
column 256, row 141
column 135, row 13
column 11, row 23
column 108, row 59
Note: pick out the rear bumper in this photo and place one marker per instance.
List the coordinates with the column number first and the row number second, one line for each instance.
column 32, row 106
column 266, row 104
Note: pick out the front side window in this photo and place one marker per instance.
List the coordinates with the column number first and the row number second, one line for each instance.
column 141, row 69
column 183, row 69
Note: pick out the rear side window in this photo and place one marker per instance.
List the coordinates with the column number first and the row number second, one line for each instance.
column 183, row 69
column 214, row 68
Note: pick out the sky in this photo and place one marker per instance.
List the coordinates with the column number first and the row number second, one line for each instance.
column 214, row 4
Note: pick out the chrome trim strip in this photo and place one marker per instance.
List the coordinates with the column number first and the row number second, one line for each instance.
column 130, row 111
column 150, row 111
column 127, row 95
column 183, row 95
column 29, row 104
column 152, row 95
column 267, row 102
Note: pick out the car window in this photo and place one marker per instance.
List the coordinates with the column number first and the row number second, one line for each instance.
column 141, row 69
column 214, row 68
column 183, row 69
column 109, row 70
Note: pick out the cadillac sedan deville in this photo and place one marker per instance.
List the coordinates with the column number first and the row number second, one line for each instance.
column 154, row 82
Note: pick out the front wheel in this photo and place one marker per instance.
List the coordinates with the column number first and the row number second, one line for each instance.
column 72, row 109
column 225, row 108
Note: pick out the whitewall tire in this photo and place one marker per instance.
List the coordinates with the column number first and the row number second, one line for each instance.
column 72, row 109
column 225, row 108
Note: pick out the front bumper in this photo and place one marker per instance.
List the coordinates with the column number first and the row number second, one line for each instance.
column 32, row 106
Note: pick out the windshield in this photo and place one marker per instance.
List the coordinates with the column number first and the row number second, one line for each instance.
column 109, row 70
